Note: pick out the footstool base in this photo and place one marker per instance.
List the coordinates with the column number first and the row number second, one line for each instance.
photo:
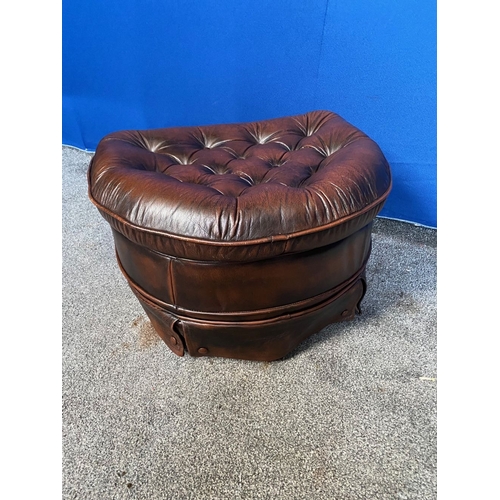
column 262, row 340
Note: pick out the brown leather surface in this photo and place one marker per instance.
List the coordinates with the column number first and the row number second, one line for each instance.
column 264, row 340
column 242, row 240
column 240, row 191
column 265, row 288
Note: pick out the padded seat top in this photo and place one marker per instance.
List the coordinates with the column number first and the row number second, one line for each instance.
column 240, row 191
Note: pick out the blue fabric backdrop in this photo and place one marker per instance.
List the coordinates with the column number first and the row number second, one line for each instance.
column 158, row 63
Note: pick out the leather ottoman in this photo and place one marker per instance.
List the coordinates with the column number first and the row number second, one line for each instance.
column 241, row 240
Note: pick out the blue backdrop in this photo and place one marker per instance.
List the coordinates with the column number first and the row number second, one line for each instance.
column 158, row 63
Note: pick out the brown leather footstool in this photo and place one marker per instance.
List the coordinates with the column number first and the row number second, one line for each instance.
column 242, row 240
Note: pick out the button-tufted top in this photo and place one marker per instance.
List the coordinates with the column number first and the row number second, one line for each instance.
column 239, row 186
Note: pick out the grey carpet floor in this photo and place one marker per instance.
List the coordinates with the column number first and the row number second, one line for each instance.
column 350, row 414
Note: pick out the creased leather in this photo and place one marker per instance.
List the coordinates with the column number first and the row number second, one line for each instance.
column 264, row 188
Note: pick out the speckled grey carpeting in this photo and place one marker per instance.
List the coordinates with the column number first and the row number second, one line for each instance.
column 351, row 414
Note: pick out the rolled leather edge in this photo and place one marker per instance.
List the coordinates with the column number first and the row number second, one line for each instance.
column 249, row 250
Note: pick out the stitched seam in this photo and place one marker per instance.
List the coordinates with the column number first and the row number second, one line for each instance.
column 171, row 280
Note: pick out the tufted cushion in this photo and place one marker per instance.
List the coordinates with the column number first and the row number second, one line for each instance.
column 240, row 191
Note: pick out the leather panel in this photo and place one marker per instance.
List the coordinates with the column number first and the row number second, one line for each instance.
column 272, row 339
column 228, row 287
column 151, row 271
column 248, row 286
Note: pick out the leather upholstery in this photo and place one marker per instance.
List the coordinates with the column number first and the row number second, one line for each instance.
column 243, row 291
column 240, row 191
column 241, row 240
